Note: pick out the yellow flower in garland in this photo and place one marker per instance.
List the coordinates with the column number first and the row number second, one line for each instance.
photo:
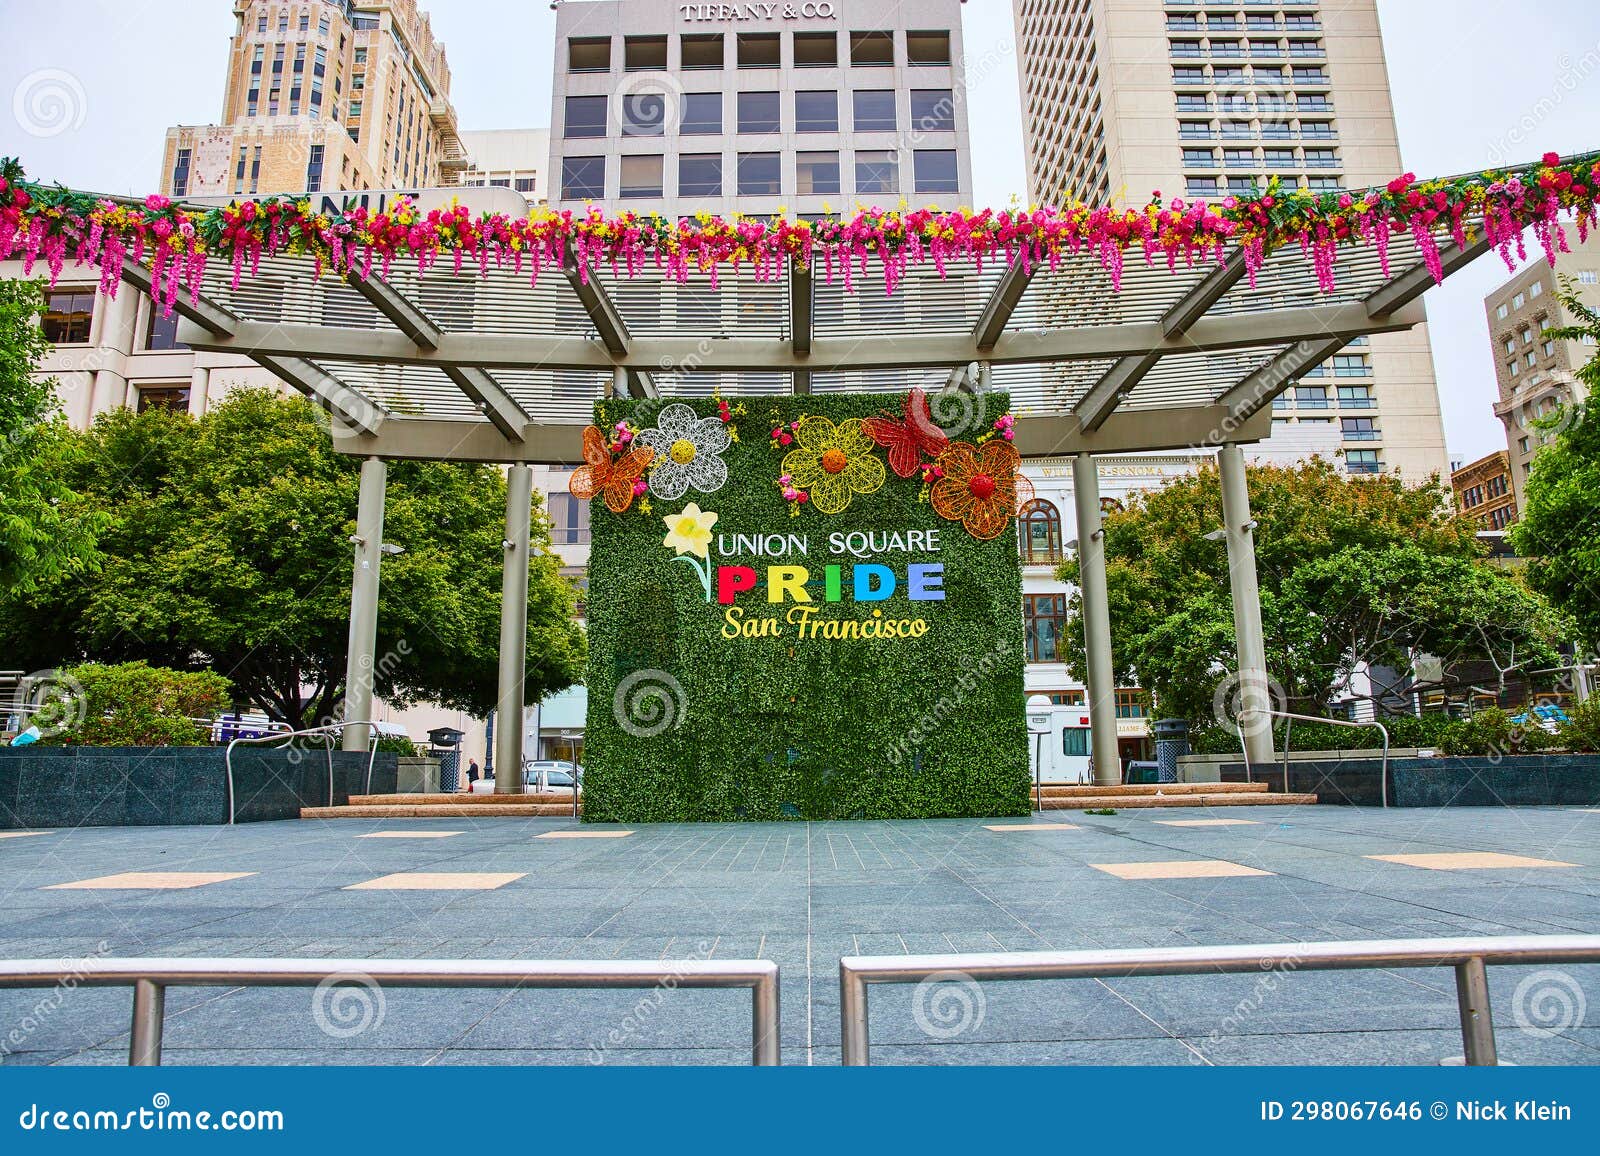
column 833, row 462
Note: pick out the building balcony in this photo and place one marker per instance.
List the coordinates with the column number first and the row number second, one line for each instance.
column 1363, row 467
column 1361, row 435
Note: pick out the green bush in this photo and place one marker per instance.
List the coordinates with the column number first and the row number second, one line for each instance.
column 136, row 705
column 1404, row 731
column 1582, row 732
column 1491, row 732
column 400, row 746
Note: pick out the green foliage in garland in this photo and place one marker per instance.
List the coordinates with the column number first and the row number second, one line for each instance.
column 774, row 728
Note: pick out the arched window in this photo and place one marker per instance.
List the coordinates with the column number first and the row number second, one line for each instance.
column 1040, row 532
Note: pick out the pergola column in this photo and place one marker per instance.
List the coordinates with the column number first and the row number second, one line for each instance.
column 1101, row 683
column 361, row 659
column 1249, row 641
column 513, row 632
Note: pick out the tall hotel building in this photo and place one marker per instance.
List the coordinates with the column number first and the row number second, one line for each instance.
column 1125, row 97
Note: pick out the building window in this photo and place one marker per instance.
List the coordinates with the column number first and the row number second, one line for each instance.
column 1535, row 289
column 1207, row 158
column 927, row 48
column 760, row 50
column 874, row 110
column 1351, row 365
column 162, row 332
column 877, row 172
column 1359, row 429
column 1130, row 702
column 1040, row 532
column 314, row 169
column 644, row 114
column 816, row 111
column 67, row 315
column 935, row 171
column 1518, row 301
column 1354, row 397
column 702, row 114
column 872, row 49
column 1362, row 462
column 817, row 174
column 700, row 175
column 933, row 110
column 1588, row 276
column 641, row 177
column 569, row 519
column 759, row 174
column 644, row 53
column 583, row 178
column 1074, row 741
column 1044, row 617
column 585, row 117
column 702, row 51
column 816, row 50
column 524, row 184
column 255, row 169
column 172, row 398
column 1311, row 397
column 587, row 54
column 758, row 112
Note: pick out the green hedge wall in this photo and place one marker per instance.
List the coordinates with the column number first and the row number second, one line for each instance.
column 776, row 728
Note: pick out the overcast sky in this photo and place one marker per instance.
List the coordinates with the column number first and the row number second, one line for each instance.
column 1476, row 83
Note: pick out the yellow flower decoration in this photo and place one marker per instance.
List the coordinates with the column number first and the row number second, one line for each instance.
column 690, row 531
column 833, row 462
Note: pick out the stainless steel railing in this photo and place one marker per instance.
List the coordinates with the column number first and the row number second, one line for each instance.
column 1469, row 956
column 150, row 979
column 1383, row 767
column 326, row 733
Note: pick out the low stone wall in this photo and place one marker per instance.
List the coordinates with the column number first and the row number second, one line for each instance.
column 173, row 786
column 1446, row 781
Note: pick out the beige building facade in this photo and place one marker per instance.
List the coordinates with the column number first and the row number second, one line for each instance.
column 1122, row 98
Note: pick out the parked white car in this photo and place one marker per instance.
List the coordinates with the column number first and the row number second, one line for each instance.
column 541, row 776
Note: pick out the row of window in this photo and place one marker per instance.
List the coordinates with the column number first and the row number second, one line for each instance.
column 1245, row 186
column 1249, row 158
column 304, row 24
column 1309, row 130
column 701, row 113
column 876, row 172
column 1247, row 103
column 69, row 315
column 1192, row 76
column 706, row 51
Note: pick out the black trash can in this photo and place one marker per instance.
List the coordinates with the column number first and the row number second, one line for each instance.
column 1172, row 740
column 445, row 745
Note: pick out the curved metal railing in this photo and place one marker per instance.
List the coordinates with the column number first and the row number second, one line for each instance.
column 325, row 732
column 1383, row 769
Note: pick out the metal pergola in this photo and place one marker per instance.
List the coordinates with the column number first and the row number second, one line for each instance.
column 487, row 368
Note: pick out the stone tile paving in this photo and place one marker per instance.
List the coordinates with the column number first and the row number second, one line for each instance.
column 803, row 895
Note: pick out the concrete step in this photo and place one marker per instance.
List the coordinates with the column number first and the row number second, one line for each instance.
column 1072, row 790
column 460, row 800
column 1126, row 802
column 439, row 811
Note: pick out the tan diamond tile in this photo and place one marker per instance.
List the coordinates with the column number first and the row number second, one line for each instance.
column 1469, row 861
column 439, row 881
column 584, row 835
column 20, row 834
column 1177, row 869
column 408, row 834
column 1207, row 822
column 1031, row 827
column 151, row 881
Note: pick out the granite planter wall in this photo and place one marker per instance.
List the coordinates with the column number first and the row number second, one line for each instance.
column 170, row 786
column 1455, row 781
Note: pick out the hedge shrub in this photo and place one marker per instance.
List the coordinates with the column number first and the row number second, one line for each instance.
column 137, row 705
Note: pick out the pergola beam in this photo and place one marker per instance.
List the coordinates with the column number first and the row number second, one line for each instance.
column 802, row 308
column 1001, row 305
column 204, row 312
column 490, row 396
column 1256, row 390
column 401, row 311
column 344, row 403
column 608, row 323
column 1417, row 280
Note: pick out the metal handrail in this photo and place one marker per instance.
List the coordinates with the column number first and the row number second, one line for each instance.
column 1383, row 768
column 326, row 732
column 1469, row 956
column 150, row 978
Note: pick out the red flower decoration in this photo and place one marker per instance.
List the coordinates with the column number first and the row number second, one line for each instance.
column 909, row 440
column 982, row 487
column 614, row 478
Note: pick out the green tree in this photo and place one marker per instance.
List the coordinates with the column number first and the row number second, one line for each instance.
column 1363, row 566
column 1559, row 528
column 44, row 529
column 229, row 549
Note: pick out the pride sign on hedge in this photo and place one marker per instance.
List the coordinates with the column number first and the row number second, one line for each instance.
column 757, row 656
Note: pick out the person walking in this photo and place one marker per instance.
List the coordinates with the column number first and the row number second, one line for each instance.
column 472, row 774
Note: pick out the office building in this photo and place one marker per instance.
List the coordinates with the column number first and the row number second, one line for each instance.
column 1484, row 489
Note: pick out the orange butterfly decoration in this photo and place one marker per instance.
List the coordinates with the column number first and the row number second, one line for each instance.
column 908, row 440
column 604, row 475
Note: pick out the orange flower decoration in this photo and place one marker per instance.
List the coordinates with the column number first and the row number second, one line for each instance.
column 602, row 474
column 982, row 487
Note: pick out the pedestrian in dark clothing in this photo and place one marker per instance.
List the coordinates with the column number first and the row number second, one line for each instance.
column 472, row 773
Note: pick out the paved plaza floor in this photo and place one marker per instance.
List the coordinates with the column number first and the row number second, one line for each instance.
column 803, row 894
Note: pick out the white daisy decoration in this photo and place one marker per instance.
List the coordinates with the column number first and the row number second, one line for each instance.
column 687, row 449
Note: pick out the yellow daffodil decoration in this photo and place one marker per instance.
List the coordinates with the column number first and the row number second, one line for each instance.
column 833, row 462
column 689, row 537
